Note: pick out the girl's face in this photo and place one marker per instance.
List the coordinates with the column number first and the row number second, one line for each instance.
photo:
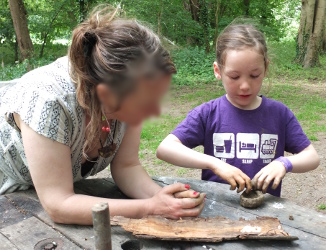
column 242, row 76
column 142, row 103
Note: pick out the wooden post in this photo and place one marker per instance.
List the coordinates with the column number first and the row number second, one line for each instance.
column 101, row 226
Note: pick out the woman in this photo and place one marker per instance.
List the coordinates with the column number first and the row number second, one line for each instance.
column 71, row 119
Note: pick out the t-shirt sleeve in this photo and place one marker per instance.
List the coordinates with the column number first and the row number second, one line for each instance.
column 46, row 115
column 191, row 131
column 295, row 139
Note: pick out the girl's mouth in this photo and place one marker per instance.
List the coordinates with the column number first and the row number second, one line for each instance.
column 244, row 96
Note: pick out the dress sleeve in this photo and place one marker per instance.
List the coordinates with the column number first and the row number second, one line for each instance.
column 295, row 139
column 45, row 114
column 191, row 131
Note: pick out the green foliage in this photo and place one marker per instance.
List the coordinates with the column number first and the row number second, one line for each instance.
column 194, row 66
column 12, row 71
column 322, row 207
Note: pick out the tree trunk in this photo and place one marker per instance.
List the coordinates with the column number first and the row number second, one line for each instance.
column 16, row 50
column 246, row 5
column 309, row 40
column 194, row 9
column 204, row 23
column 18, row 14
column 324, row 37
column 217, row 11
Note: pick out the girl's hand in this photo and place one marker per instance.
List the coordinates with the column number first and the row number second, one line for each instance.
column 275, row 171
column 166, row 204
column 234, row 176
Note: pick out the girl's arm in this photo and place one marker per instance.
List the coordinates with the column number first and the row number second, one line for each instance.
column 173, row 151
column 304, row 161
column 50, row 167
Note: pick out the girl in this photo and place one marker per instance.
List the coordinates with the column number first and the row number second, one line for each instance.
column 244, row 135
column 71, row 119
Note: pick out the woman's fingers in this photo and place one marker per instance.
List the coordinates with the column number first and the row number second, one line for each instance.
column 189, row 203
column 175, row 188
column 193, row 212
column 187, row 194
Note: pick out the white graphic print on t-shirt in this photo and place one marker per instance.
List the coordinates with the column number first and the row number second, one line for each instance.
column 245, row 146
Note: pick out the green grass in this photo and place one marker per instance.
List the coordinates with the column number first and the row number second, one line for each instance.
column 322, row 207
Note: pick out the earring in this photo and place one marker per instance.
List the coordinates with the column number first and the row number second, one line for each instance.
column 104, row 128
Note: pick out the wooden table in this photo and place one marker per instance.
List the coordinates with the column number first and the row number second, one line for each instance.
column 24, row 223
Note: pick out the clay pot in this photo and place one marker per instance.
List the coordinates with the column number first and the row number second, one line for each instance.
column 251, row 200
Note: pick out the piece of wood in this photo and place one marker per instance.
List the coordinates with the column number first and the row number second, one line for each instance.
column 305, row 219
column 204, row 229
column 27, row 233
column 5, row 244
column 219, row 202
column 101, row 226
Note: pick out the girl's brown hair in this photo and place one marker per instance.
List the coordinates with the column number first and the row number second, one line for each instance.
column 238, row 37
column 107, row 49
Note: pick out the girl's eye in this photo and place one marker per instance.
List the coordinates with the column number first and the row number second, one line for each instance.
column 234, row 77
column 256, row 76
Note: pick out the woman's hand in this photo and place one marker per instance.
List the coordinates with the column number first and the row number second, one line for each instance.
column 234, row 176
column 166, row 204
column 275, row 171
column 187, row 194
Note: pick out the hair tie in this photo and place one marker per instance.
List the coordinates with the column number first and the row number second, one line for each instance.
column 88, row 43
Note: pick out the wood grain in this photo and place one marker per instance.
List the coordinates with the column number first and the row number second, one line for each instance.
column 204, row 229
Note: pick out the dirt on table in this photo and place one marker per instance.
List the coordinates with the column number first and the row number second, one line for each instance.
column 306, row 189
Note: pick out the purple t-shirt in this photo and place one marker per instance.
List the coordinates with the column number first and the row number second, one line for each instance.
column 246, row 139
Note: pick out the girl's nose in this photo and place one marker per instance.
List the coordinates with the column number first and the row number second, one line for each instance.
column 245, row 85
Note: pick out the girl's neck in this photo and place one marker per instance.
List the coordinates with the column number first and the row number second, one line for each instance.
column 253, row 105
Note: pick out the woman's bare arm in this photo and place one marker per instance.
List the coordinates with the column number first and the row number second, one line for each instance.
column 50, row 167
column 127, row 171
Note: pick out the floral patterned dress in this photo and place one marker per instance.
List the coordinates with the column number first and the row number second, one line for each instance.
column 45, row 99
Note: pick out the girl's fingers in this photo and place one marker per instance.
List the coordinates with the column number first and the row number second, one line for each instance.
column 260, row 181
column 187, row 194
column 233, row 184
column 255, row 179
column 267, row 181
column 247, row 181
column 276, row 182
column 241, row 182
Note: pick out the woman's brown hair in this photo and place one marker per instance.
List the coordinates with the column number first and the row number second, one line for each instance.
column 111, row 50
column 237, row 37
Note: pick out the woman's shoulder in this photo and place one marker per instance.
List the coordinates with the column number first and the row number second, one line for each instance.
column 53, row 78
column 49, row 83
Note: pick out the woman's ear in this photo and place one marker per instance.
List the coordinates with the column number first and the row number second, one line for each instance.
column 106, row 96
column 217, row 71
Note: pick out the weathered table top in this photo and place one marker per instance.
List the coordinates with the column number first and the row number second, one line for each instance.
column 24, row 223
